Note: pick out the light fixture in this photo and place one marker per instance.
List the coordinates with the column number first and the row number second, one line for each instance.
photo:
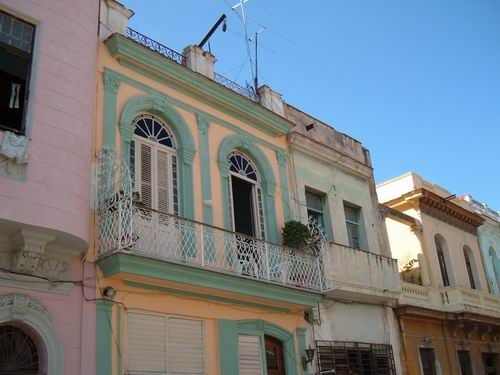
column 308, row 357
column 310, row 126
column 109, row 292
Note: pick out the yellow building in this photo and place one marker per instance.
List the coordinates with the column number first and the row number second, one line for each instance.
column 449, row 322
column 185, row 160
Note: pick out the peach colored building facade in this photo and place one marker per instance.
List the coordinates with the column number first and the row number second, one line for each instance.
column 47, row 67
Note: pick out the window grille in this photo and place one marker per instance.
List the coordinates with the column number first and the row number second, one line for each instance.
column 355, row 357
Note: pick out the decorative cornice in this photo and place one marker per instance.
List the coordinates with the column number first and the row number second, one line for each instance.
column 141, row 59
column 448, row 212
column 20, row 304
column 329, row 155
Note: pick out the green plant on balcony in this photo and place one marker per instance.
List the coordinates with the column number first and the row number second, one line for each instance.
column 296, row 235
column 410, row 272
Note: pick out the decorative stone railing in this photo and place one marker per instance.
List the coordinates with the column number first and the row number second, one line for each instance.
column 453, row 299
column 360, row 274
column 125, row 227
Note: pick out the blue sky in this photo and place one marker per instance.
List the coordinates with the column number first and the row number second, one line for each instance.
column 416, row 81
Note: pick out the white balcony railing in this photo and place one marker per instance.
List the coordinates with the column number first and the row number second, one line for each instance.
column 453, row 298
column 128, row 228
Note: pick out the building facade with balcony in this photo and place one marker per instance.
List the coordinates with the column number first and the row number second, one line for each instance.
column 354, row 329
column 191, row 195
column 489, row 240
column 448, row 319
column 48, row 52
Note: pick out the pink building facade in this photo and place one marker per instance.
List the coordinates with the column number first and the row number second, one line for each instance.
column 47, row 98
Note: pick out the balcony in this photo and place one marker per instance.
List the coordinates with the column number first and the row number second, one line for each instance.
column 130, row 229
column 353, row 274
column 450, row 299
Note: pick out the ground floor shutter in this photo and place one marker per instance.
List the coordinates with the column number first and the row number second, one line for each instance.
column 249, row 355
column 164, row 345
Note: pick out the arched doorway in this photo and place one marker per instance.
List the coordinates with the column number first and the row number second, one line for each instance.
column 275, row 361
column 18, row 352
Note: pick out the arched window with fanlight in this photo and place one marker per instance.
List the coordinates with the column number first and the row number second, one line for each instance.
column 153, row 164
column 18, row 352
column 245, row 196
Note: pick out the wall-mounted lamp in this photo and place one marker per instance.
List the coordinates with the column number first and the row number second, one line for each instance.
column 310, row 126
column 109, row 292
column 308, row 357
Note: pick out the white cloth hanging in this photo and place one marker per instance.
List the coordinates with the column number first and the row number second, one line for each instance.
column 15, row 147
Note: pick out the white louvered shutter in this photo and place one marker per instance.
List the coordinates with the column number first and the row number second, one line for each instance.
column 146, row 170
column 162, row 181
column 185, row 346
column 249, row 354
column 146, row 344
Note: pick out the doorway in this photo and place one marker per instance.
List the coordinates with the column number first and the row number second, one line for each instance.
column 243, row 206
column 274, row 356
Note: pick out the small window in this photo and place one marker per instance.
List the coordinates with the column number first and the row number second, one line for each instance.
column 314, row 204
column 428, row 360
column 491, row 363
column 465, row 362
column 352, row 215
column 16, row 50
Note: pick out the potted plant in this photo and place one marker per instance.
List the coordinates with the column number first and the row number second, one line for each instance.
column 296, row 235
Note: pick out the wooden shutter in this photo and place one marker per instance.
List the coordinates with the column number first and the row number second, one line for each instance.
column 249, row 354
column 162, row 181
column 164, row 345
column 146, row 345
column 145, row 163
column 185, row 346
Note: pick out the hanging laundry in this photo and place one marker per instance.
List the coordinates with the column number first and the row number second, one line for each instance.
column 15, row 147
column 14, row 95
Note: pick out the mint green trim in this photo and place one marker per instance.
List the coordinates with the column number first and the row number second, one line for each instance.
column 180, row 104
column 36, row 318
column 111, row 86
column 206, row 182
column 285, row 197
column 228, row 347
column 162, row 270
column 141, row 59
column 119, row 342
column 205, row 296
column 103, row 338
column 301, row 339
column 268, row 183
column 228, row 343
column 161, row 107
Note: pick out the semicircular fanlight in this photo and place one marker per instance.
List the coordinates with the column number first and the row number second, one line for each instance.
column 239, row 163
column 18, row 352
column 149, row 127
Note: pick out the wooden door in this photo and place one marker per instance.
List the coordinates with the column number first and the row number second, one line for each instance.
column 274, row 356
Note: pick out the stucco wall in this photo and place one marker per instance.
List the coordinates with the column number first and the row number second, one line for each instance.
column 338, row 187
column 55, row 193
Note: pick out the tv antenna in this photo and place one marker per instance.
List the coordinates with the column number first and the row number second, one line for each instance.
column 212, row 30
column 256, row 38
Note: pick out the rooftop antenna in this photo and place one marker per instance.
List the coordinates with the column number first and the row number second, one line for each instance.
column 243, row 18
column 256, row 78
column 212, row 30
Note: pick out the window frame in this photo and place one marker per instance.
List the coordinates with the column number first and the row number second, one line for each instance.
column 469, row 266
column 24, row 128
column 429, row 350
column 321, row 197
column 357, row 224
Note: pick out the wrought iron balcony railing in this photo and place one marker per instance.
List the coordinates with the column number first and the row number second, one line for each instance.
column 128, row 228
column 179, row 58
column 155, row 46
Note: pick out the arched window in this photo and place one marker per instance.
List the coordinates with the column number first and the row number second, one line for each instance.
column 442, row 258
column 18, row 352
column 471, row 267
column 246, row 209
column 153, row 164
